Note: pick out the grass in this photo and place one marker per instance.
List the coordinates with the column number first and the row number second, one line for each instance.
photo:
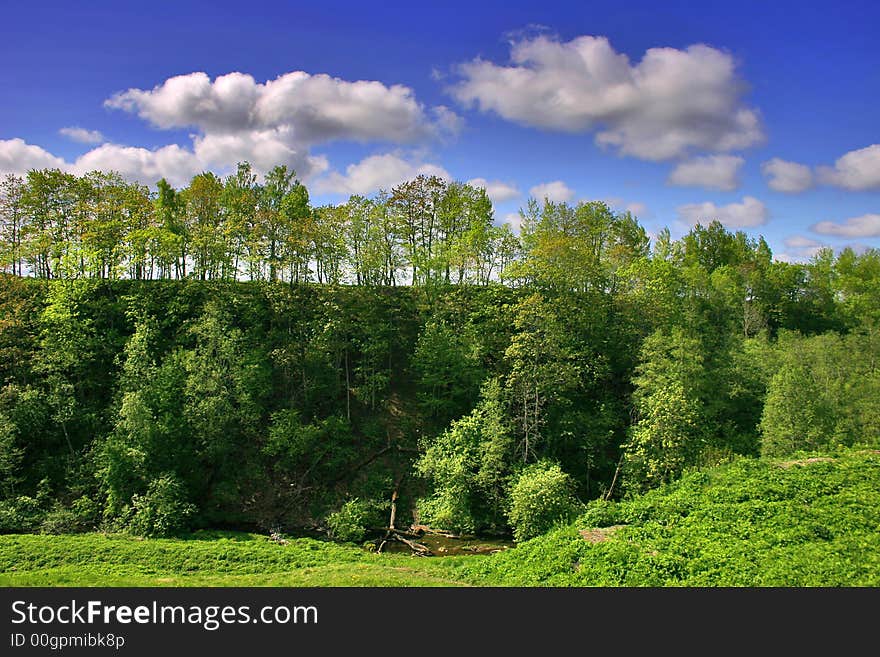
column 799, row 522
column 205, row 559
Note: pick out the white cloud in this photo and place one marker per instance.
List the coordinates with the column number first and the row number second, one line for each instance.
column 17, row 156
column 315, row 108
column 495, row 189
column 800, row 248
column 669, row 103
column 262, row 148
column 556, row 191
column 374, row 173
column 719, row 172
column 803, row 249
column 175, row 164
column 748, row 214
column 237, row 119
column 868, row 225
column 801, row 242
column 857, row 170
column 515, row 221
column 635, row 207
column 788, row 177
column 638, row 209
column 82, row 135
column 278, row 121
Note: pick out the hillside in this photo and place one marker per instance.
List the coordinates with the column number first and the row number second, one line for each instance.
column 811, row 521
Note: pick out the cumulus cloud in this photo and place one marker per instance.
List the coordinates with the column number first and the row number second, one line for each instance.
column 495, row 189
column 857, row 170
column 556, row 191
column 514, row 219
column 82, row 135
column 788, row 177
column 17, row 156
column 748, row 214
column 868, row 225
column 235, row 118
column 262, row 148
column 278, row 121
column 313, row 108
column 669, row 103
column 802, row 249
column 176, row 164
column 376, row 172
column 719, row 172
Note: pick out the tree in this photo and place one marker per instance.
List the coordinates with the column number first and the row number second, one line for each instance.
column 468, row 467
column 448, row 369
column 206, row 227
column 173, row 240
column 669, row 432
column 239, row 200
column 12, row 223
column 273, row 218
column 541, row 368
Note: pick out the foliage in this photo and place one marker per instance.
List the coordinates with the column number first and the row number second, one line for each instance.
column 540, row 497
column 349, row 523
column 807, row 521
column 469, row 466
column 162, row 511
column 206, row 338
column 825, row 393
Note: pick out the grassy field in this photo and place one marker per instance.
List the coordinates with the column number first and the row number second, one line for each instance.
column 813, row 521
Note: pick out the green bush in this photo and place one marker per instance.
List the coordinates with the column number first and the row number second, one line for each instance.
column 540, row 498
column 349, row 523
column 81, row 516
column 20, row 515
column 162, row 511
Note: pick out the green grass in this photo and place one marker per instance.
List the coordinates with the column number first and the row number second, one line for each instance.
column 205, row 559
column 747, row 523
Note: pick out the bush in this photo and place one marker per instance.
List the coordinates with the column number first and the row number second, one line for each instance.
column 24, row 514
column 540, row 498
column 81, row 516
column 162, row 511
column 600, row 513
column 20, row 515
column 350, row 522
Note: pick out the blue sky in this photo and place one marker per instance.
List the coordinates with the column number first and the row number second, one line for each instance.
column 761, row 114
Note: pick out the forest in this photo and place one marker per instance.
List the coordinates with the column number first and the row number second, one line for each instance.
column 228, row 356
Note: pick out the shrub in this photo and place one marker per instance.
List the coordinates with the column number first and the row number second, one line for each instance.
column 20, row 515
column 540, row 497
column 162, row 511
column 81, row 516
column 349, row 523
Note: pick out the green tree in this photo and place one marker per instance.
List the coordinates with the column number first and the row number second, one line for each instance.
column 669, row 432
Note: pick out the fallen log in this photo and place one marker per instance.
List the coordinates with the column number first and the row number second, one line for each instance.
column 418, row 548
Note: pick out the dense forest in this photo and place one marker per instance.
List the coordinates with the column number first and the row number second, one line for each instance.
column 227, row 355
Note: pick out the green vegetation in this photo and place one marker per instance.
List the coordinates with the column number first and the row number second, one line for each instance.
column 205, row 559
column 228, row 357
column 804, row 521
